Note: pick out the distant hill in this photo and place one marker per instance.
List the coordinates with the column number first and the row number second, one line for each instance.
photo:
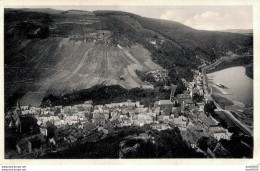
column 240, row 31
column 51, row 51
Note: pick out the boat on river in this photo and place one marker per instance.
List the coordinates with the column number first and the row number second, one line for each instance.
column 221, row 85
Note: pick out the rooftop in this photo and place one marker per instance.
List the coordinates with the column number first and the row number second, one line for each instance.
column 165, row 102
column 189, row 101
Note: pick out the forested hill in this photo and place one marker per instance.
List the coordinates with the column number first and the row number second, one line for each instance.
column 180, row 41
column 51, row 51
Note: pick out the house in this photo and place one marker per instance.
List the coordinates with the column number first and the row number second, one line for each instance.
column 188, row 103
column 89, row 102
column 141, row 110
column 208, row 123
column 66, row 109
column 139, row 122
column 106, row 115
column 24, row 107
column 146, row 118
column 181, row 97
column 72, row 139
column 115, row 115
column 219, row 135
column 193, row 91
column 87, row 107
column 201, row 92
column 198, row 129
column 98, row 107
column 108, row 128
column 25, row 112
column 74, row 109
column 167, row 119
column 44, row 130
column 160, row 118
column 80, row 108
column 176, row 110
column 126, row 122
column 191, row 140
column 180, row 122
column 157, row 110
column 152, row 114
column 89, row 126
column 186, row 83
column 58, row 131
column 53, row 140
column 98, row 119
column 200, row 106
column 80, row 126
column 161, row 127
column 115, row 122
column 137, row 103
column 54, row 118
column 166, row 106
column 79, row 135
column 57, row 107
column 193, row 134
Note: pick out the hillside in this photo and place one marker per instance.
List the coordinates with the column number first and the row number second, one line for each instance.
column 56, row 52
column 240, row 31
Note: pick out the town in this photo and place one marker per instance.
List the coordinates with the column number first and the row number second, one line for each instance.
column 62, row 126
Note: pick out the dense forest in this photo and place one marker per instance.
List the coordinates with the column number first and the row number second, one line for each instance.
column 102, row 94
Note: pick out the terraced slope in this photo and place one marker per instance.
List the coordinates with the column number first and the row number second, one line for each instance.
column 65, row 65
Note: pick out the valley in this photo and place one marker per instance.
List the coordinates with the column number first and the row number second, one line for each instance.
column 58, row 52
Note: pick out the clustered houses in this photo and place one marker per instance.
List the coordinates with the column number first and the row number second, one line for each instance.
column 65, row 125
column 159, row 75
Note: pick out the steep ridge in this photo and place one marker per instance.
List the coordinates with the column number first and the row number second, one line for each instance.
column 50, row 51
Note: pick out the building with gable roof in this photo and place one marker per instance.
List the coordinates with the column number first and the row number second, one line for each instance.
column 165, row 106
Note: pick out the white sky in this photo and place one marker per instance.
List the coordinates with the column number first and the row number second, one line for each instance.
column 198, row 17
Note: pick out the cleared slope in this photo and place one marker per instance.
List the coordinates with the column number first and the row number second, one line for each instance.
column 74, row 66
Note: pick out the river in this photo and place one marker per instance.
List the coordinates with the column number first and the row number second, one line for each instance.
column 239, row 86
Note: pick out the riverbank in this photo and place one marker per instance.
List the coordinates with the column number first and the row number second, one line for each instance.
column 239, row 110
column 227, row 62
column 250, row 70
column 242, row 112
column 222, row 101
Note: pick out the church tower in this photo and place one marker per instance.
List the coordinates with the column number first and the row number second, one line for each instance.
column 173, row 90
column 18, row 105
column 18, row 108
column 191, row 93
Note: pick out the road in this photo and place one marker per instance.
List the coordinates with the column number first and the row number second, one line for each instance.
column 209, row 98
column 231, row 116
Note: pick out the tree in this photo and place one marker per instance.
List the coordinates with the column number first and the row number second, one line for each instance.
column 29, row 125
column 207, row 142
column 197, row 98
column 50, row 129
column 209, row 108
column 203, row 143
column 57, row 111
